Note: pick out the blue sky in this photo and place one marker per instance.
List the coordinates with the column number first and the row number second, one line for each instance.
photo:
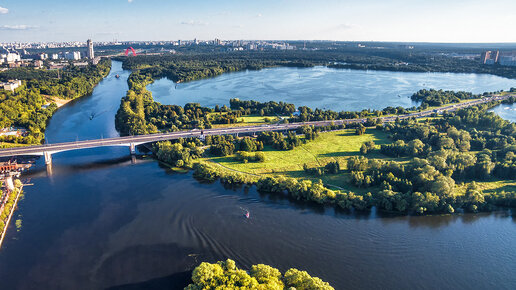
column 387, row 20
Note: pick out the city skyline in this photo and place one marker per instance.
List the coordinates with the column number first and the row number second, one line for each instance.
column 151, row 20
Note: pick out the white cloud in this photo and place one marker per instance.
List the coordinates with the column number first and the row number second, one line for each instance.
column 130, row 1
column 344, row 26
column 3, row 10
column 194, row 23
column 17, row 27
column 259, row 15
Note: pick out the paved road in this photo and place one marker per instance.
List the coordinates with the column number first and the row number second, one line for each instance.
column 142, row 139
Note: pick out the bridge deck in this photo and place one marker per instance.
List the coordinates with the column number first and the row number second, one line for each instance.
column 142, row 139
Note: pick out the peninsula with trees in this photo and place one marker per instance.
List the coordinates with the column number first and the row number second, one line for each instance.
column 447, row 162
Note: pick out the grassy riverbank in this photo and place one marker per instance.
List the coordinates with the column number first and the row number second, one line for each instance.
column 9, row 208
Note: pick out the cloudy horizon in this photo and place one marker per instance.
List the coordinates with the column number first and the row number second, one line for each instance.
column 370, row 20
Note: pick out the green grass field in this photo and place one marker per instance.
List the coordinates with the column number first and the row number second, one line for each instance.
column 332, row 146
column 329, row 146
column 490, row 186
column 250, row 120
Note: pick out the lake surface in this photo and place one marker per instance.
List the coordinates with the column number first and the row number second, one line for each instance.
column 322, row 87
column 506, row 111
column 103, row 220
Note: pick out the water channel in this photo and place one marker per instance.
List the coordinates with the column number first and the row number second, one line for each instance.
column 101, row 220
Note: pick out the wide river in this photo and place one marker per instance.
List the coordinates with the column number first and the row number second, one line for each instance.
column 100, row 220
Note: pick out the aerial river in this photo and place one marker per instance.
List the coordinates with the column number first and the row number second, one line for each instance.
column 100, row 220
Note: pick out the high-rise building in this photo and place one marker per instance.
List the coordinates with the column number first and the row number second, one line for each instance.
column 76, row 55
column 489, row 57
column 90, row 53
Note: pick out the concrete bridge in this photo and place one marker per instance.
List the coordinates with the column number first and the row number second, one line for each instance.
column 131, row 142
column 47, row 150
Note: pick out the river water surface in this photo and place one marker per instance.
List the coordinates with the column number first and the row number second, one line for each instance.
column 102, row 220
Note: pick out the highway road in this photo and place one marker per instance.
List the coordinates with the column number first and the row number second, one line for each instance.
column 142, row 139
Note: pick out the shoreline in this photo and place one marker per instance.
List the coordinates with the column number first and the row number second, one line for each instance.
column 15, row 204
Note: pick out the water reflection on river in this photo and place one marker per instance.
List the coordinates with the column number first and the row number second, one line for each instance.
column 102, row 221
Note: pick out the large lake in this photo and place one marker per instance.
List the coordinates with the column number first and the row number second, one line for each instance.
column 322, row 87
column 102, row 220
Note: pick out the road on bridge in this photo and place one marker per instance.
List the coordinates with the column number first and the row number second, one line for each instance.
column 132, row 141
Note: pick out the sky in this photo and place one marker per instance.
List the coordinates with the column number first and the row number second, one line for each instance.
column 364, row 20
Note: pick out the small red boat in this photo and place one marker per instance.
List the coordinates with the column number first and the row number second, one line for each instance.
column 247, row 214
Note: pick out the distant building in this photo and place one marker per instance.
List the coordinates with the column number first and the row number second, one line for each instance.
column 508, row 60
column 489, row 57
column 55, row 56
column 14, row 64
column 90, row 54
column 96, row 60
column 13, row 57
column 76, row 55
column 38, row 63
column 80, row 64
column 13, row 131
column 11, row 85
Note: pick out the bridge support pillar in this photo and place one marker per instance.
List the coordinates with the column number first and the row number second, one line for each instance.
column 132, row 148
column 48, row 158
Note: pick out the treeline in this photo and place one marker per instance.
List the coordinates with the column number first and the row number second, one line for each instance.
column 226, row 275
column 307, row 114
column 268, row 108
column 442, row 156
column 180, row 154
column 69, row 83
column 413, row 61
column 24, row 107
column 332, row 167
column 191, row 66
column 436, row 98
column 305, row 190
column 421, row 186
column 188, row 67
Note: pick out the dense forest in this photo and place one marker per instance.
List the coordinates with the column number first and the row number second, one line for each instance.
column 226, row 275
column 438, row 158
column 192, row 66
column 24, row 107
